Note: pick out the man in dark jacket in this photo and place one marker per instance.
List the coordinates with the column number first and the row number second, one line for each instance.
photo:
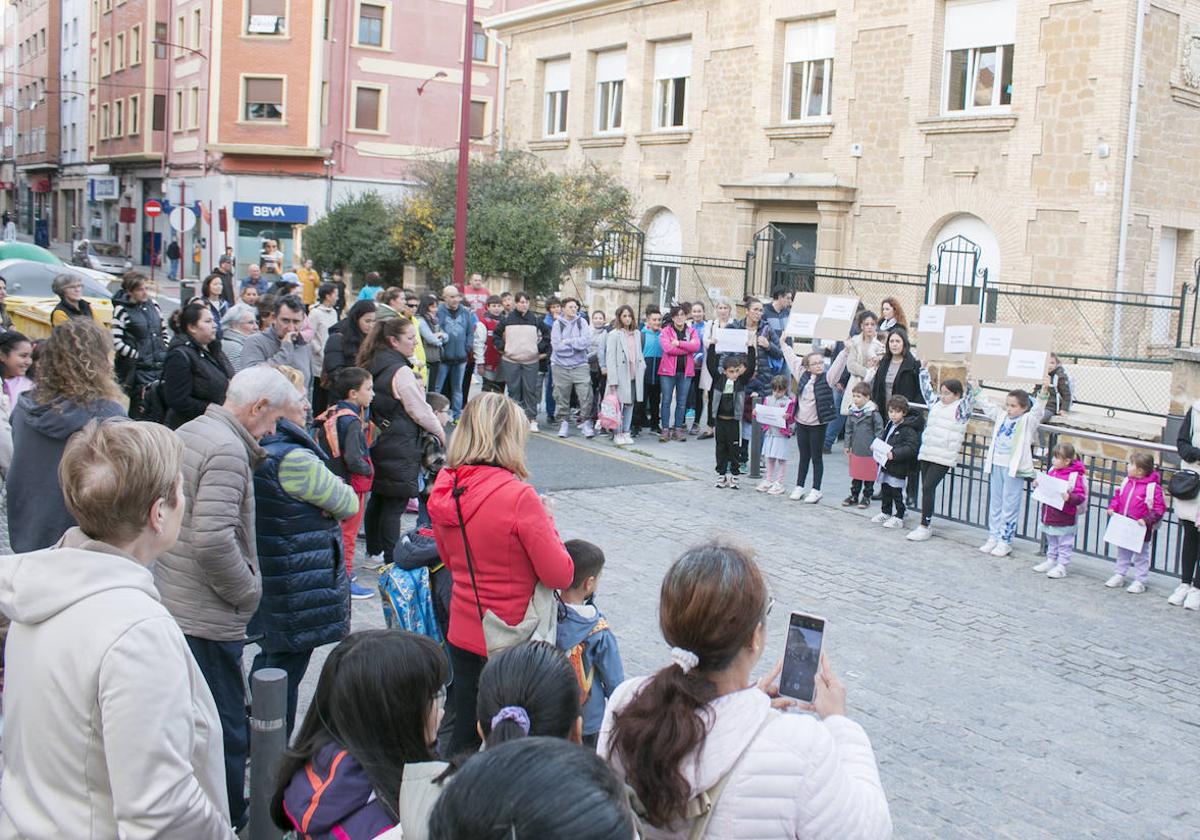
column 522, row 339
column 224, row 270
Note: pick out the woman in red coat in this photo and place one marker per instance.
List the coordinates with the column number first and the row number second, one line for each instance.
column 513, row 541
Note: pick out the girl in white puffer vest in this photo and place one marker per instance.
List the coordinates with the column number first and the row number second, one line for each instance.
column 940, row 445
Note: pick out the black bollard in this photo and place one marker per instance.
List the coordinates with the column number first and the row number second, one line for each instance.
column 756, row 436
column 268, row 740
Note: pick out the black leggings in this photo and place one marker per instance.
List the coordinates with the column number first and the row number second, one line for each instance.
column 811, row 442
column 461, row 699
column 1191, row 552
column 931, row 477
column 381, row 521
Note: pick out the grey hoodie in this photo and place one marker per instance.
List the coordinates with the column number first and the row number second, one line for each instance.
column 37, row 515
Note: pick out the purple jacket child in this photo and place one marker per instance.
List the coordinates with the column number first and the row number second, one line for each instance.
column 333, row 798
column 1076, row 495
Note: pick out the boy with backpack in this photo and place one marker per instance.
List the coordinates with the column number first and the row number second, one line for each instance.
column 343, row 434
column 585, row 637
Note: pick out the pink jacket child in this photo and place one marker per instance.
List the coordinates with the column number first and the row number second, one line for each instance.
column 1131, row 497
column 1076, row 495
column 674, row 349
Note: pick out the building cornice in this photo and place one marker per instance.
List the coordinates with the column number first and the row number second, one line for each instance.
column 551, row 9
column 269, row 150
column 789, row 187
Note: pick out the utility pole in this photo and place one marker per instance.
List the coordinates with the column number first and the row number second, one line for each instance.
column 464, row 152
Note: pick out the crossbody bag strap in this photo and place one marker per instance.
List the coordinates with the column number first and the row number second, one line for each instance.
column 709, row 798
column 462, row 527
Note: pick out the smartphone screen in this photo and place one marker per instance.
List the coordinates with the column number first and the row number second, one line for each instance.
column 802, row 656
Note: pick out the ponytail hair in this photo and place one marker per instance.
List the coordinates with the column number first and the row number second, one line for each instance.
column 669, row 718
column 527, row 690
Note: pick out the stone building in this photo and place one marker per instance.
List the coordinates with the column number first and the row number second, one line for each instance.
column 869, row 132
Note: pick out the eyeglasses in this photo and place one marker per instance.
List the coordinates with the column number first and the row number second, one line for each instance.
column 770, row 605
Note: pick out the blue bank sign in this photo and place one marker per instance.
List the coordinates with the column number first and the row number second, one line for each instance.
column 296, row 214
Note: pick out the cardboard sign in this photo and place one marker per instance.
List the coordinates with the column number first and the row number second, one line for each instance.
column 821, row 316
column 730, row 340
column 771, row 415
column 946, row 332
column 1011, row 352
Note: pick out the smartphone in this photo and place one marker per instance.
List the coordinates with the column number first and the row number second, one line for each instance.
column 802, row 656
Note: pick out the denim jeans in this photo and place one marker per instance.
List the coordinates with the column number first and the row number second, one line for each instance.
column 548, row 396
column 294, row 663
column 677, row 386
column 1005, row 504
column 221, row 664
column 454, row 372
column 626, row 418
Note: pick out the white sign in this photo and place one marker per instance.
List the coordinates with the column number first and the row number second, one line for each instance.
column 771, row 415
column 932, row 319
column 994, row 341
column 263, row 25
column 840, row 308
column 1124, row 532
column 880, row 450
column 1051, row 491
column 729, row 340
column 1027, row 364
column 957, row 339
column 803, row 324
column 183, row 218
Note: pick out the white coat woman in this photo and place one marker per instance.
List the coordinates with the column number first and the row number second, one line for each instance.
column 625, row 368
column 863, row 353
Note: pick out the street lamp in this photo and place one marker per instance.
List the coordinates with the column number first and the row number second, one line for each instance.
column 441, row 74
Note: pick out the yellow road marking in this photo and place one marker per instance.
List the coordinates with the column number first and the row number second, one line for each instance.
column 623, row 459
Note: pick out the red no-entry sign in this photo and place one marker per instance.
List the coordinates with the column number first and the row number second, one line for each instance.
column 152, row 208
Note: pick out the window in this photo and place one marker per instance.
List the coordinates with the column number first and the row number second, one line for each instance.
column 158, row 119
column 74, row 30
column 479, row 42
column 265, row 17
column 104, row 121
column 264, row 100
column 324, row 103
column 135, row 46
column 177, row 111
column 105, row 57
column 370, row 25
column 977, row 74
column 196, row 17
column 367, row 108
column 478, row 129
column 808, row 69
column 119, row 52
column 557, row 85
column 107, row 6
column 135, row 114
column 610, row 90
column 672, row 67
column 118, row 118
column 180, row 34
column 193, row 111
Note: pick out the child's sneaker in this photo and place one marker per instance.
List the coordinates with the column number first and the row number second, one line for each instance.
column 564, row 429
column 1002, row 549
column 880, row 517
column 863, row 503
column 920, row 533
column 813, row 497
column 375, row 562
column 722, row 482
column 1115, row 581
column 1192, row 601
column 1136, row 588
column 733, row 482
column 1045, row 566
column 987, row 547
column 1181, row 591
column 763, row 486
column 533, row 426
column 589, row 430
column 776, row 490
column 1059, row 571
column 894, row 522
column 849, row 501
column 797, row 494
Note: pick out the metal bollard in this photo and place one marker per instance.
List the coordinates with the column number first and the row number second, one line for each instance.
column 755, row 444
column 268, row 740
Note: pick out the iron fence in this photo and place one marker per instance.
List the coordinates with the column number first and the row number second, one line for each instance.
column 673, row 278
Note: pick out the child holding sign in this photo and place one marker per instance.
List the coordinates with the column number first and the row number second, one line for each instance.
column 1140, row 498
column 816, row 407
column 1058, row 523
column 1009, row 462
column 776, row 441
column 903, row 437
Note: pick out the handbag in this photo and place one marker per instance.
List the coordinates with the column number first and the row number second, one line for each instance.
column 540, row 622
column 1185, row 484
column 609, row 417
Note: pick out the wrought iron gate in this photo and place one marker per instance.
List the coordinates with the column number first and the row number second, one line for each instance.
column 956, row 277
column 772, row 264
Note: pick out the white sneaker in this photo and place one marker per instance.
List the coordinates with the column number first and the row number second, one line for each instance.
column 1115, row 581
column 880, row 517
column 589, row 430
column 1045, row 566
column 1059, row 571
column 813, row 497
column 564, row 429
column 1136, row 588
column 1002, row 549
column 1181, row 591
column 623, row 440
column 920, row 533
column 894, row 522
column 987, row 547
column 533, row 426
column 796, row 494
column 776, row 490
column 763, row 486
column 1192, row 601
column 373, row 561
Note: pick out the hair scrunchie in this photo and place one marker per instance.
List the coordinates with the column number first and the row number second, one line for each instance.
column 514, row 713
column 684, row 658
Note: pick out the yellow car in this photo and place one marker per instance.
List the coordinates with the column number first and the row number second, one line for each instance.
column 30, row 301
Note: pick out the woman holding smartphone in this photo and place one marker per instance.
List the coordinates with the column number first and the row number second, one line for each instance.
column 724, row 736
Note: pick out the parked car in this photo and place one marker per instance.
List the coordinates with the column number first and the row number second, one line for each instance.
column 101, row 256
column 36, row 253
column 31, row 299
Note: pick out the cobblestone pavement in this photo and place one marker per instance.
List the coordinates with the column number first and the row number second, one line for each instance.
column 1001, row 704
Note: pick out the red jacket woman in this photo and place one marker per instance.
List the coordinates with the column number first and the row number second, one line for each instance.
column 511, row 535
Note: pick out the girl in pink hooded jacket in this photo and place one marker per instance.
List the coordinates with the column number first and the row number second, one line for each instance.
column 1139, row 497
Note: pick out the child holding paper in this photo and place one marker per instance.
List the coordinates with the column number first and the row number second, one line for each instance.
column 1140, row 498
column 1059, row 524
column 863, row 425
column 941, row 444
column 776, row 441
column 730, row 404
column 902, row 434
column 816, row 407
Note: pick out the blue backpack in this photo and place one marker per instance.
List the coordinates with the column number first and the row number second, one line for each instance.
column 407, row 600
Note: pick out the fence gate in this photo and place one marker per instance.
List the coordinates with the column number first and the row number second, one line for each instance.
column 956, row 277
column 781, row 258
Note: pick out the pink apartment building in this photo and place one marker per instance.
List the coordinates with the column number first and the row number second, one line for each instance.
column 31, row 105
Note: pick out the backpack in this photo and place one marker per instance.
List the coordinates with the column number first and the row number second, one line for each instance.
column 326, row 421
column 584, row 676
column 407, row 600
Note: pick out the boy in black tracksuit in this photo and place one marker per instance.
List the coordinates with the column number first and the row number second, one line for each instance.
column 903, row 434
column 729, row 395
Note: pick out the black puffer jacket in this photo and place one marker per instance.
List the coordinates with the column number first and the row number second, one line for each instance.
column 341, row 349
column 396, row 452
column 193, row 378
column 138, row 336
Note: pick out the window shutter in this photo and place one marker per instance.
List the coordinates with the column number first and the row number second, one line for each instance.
column 673, row 60
column 369, row 12
column 267, row 7
column 366, row 109
column 980, row 23
column 808, row 40
column 264, row 90
column 558, row 75
column 610, row 66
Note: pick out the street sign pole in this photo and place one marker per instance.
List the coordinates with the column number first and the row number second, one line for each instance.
column 464, row 150
column 152, row 209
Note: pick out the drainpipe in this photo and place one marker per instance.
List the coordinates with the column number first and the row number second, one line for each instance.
column 501, row 90
column 1126, row 187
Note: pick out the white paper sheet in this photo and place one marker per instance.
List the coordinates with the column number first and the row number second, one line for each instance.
column 1027, row 364
column 840, row 308
column 771, row 415
column 1124, row 532
column 730, row 340
column 880, row 450
column 1050, row 490
column 994, row 341
column 932, row 319
column 803, row 324
column 957, row 339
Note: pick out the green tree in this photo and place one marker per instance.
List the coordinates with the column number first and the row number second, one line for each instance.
column 356, row 236
column 522, row 219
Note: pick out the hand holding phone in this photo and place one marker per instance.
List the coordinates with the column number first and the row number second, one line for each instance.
column 830, row 693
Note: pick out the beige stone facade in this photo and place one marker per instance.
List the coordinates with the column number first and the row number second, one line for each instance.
column 1036, row 181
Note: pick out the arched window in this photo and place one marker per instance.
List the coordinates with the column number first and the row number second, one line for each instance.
column 664, row 245
column 964, row 251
